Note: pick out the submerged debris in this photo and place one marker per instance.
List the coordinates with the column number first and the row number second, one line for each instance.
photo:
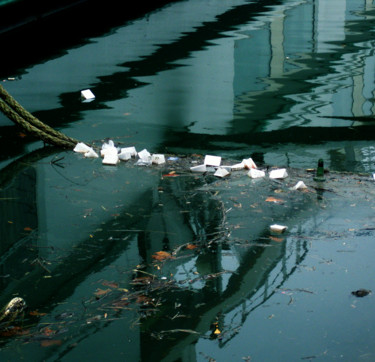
column 361, row 292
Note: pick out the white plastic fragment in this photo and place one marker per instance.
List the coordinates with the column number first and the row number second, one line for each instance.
column 249, row 163
column 110, row 159
column 278, row 228
column 199, row 168
column 108, row 151
column 212, row 160
column 373, row 176
column 157, row 159
column 124, row 156
column 87, row 95
column 144, row 155
column 253, row 173
column 221, row 172
column 130, row 150
column 279, row 173
column 81, row 148
column 91, row 154
column 238, row 166
column 299, row 185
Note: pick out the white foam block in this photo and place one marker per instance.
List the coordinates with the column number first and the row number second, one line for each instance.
column 278, row 228
column 253, row 173
column 221, row 172
column 87, row 95
column 279, row 173
column 212, row 160
column 81, row 148
column 157, row 159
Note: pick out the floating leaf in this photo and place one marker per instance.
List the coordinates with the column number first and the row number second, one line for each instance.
column 27, row 228
column 35, row 313
column 273, row 199
column 110, row 284
column 191, row 246
column 99, row 292
column 51, row 342
column 278, row 240
column 162, row 255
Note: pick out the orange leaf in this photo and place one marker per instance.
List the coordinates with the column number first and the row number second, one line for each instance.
column 273, row 199
column 27, row 228
column 162, row 255
column 37, row 314
column 99, row 292
column 278, row 240
column 110, row 284
column 51, row 342
column 48, row 331
column 191, row 246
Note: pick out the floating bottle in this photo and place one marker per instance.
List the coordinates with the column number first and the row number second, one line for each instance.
column 320, row 171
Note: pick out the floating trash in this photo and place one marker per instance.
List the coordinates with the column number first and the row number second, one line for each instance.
column 91, row 154
column 279, row 229
column 279, row 173
column 253, row 173
column 87, row 95
column 157, row 159
column 221, row 172
column 199, row 168
column 300, row 185
column 212, row 160
column 81, row 148
column 249, row 163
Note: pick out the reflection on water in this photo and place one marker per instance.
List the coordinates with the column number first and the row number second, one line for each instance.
column 285, row 82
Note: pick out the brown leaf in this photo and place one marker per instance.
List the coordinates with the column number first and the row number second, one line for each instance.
column 27, row 228
column 191, row 246
column 37, row 314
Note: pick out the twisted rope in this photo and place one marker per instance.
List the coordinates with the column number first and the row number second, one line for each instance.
column 16, row 113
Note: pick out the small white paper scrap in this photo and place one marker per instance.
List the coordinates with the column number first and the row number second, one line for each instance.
column 279, row 173
column 212, row 160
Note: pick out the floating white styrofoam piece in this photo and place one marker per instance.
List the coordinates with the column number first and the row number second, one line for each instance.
column 278, row 228
column 108, row 151
column 81, row 148
column 254, row 173
column 124, row 156
column 110, row 159
column 199, row 168
column 221, row 172
column 87, row 95
column 212, row 160
column 279, row 173
column 131, row 150
column 157, row 159
column 238, row 166
column 249, row 163
column 91, row 154
column 373, row 176
column 144, row 155
column 299, row 185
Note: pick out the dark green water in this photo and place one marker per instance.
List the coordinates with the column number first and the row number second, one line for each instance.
column 283, row 82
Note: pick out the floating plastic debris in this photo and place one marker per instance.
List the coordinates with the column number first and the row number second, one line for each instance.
column 278, row 228
column 212, row 160
column 124, row 156
column 249, row 163
column 110, row 159
column 279, row 173
column 81, row 148
column 253, row 173
column 144, row 155
column 87, row 95
column 199, row 168
column 221, row 172
column 131, row 150
column 91, row 154
column 157, row 159
column 299, row 185
column 238, row 166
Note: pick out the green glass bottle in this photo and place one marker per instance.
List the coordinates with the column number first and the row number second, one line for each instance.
column 320, row 171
